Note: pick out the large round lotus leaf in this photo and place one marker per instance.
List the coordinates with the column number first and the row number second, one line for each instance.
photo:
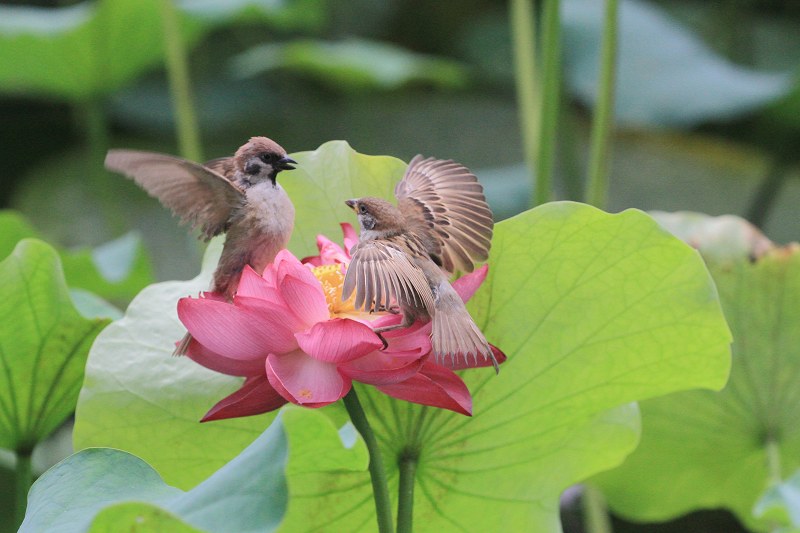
column 709, row 449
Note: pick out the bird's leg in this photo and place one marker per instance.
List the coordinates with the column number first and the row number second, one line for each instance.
column 407, row 321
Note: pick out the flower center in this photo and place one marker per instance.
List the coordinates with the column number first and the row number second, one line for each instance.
column 332, row 278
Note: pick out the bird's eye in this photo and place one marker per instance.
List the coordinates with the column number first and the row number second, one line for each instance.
column 362, row 208
column 267, row 157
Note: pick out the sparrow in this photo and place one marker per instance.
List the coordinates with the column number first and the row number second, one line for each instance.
column 406, row 254
column 236, row 195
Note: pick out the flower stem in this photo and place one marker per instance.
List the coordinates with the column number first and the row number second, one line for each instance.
column 405, row 503
column 597, row 182
column 773, row 451
column 551, row 100
column 595, row 511
column 23, row 477
column 523, row 26
column 380, row 488
column 179, row 83
column 91, row 119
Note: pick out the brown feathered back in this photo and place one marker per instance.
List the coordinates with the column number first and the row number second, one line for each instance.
column 443, row 203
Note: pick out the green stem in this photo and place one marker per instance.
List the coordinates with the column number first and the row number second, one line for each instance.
column 551, row 100
column 602, row 126
column 405, row 503
column 595, row 511
column 92, row 119
column 523, row 34
column 767, row 193
column 179, row 84
column 380, row 488
column 23, row 477
column 773, row 452
column 569, row 154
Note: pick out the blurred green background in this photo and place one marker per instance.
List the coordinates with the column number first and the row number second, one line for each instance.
column 708, row 107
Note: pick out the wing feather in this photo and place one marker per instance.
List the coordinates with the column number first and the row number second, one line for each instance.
column 198, row 195
column 380, row 273
column 444, row 204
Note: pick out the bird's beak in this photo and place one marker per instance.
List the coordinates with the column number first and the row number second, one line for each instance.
column 286, row 162
column 351, row 204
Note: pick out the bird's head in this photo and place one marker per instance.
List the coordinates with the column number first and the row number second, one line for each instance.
column 376, row 215
column 261, row 159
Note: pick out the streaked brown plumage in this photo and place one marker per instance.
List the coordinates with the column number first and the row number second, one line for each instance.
column 237, row 195
column 405, row 254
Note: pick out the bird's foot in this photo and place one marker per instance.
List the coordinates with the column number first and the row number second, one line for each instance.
column 383, row 340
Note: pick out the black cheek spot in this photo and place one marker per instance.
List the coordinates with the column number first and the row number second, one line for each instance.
column 252, row 168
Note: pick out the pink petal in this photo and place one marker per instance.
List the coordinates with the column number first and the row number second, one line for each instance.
column 305, row 298
column 277, row 323
column 313, row 260
column 350, row 236
column 306, row 381
column 461, row 363
column 227, row 329
column 384, row 320
column 415, row 339
column 468, row 284
column 382, row 368
column 300, row 289
column 330, row 252
column 338, row 340
column 287, row 264
column 433, row 385
column 255, row 397
column 224, row 365
column 270, row 273
column 252, row 285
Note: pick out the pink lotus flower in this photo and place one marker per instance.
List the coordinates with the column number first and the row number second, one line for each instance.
column 293, row 339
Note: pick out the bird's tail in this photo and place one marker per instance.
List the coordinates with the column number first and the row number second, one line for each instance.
column 455, row 335
column 183, row 346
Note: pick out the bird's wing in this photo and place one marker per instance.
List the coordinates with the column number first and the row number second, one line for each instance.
column 382, row 274
column 198, row 195
column 443, row 203
column 221, row 165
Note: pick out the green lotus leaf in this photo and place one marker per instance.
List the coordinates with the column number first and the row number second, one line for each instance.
column 44, row 343
column 780, row 504
column 707, row 450
column 103, row 486
column 138, row 518
column 594, row 311
column 692, row 84
column 352, row 64
column 116, row 270
column 94, row 48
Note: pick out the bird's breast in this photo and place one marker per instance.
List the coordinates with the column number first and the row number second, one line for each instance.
column 268, row 211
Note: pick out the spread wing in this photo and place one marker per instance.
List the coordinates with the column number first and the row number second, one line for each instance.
column 198, row 195
column 382, row 274
column 443, row 202
column 221, row 165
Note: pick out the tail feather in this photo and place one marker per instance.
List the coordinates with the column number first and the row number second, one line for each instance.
column 455, row 335
column 183, row 346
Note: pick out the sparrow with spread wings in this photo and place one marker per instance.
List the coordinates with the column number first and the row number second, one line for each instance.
column 407, row 253
column 236, row 195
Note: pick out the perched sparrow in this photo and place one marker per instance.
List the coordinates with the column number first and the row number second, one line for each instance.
column 237, row 195
column 406, row 253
